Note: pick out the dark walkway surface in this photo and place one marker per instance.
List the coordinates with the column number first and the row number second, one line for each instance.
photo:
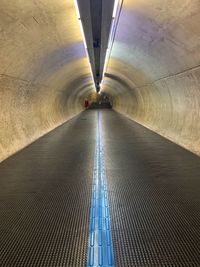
column 154, row 193
column 45, row 194
column 154, row 189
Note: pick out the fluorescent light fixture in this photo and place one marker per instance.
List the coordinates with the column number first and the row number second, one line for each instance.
column 81, row 26
column 116, row 3
column 77, row 9
column 105, row 63
column 83, row 36
column 115, row 8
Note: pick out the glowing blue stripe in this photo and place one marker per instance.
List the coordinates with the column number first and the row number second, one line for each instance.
column 100, row 249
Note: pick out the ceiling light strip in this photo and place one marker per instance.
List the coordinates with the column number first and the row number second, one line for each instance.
column 84, row 40
column 116, row 14
column 115, row 8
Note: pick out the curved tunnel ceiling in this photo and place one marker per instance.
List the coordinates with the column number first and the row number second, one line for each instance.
column 153, row 73
column 44, row 67
column 154, row 69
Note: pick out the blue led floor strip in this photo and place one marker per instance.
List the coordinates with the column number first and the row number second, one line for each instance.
column 100, row 249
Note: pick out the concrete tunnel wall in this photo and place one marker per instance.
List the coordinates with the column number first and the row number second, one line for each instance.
column 45, row 72
column 154, row 70
column 153, row 73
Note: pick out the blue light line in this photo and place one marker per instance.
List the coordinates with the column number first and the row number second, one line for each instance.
column 100, row 249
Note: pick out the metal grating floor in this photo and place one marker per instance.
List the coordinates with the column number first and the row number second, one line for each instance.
column 154, row 194
column 45, row 195
column 153, row 189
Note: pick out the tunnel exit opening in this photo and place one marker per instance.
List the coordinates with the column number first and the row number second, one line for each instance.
column 100, row 100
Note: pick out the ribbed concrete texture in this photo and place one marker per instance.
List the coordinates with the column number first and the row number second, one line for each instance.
column 154, row 70
column 44, row 70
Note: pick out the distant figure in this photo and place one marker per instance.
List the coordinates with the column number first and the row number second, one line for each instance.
column 86, row 104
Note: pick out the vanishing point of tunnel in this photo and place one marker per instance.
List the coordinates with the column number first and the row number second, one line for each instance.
column 100, row 133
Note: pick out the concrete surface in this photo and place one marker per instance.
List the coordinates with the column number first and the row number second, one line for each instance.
column 154, row 70
column 44, row 71
column 153, row 73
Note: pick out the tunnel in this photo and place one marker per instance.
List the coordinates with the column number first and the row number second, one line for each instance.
column 100, row 133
